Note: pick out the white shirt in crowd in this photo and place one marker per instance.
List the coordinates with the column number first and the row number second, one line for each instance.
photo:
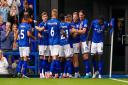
column 16, row 2
column 3, row 66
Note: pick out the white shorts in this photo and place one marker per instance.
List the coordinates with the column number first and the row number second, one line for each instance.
column 44, row 50
column 24, row 51
column 76, row 48
column 54, row 50
column 65, row 51
column 84, row 47
column 97, row 48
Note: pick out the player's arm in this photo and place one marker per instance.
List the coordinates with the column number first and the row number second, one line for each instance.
column 82, row 31
column 30, row 35
column 90, row 33
column 40, row 28
column 62, row 32
column 73, row 30
column 39, row 35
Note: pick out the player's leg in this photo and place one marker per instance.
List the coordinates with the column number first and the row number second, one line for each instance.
column 61, row 56
column 54, row 49
column 93, row 55
column 100, row 56
column 48, row 67
column 85, row 52
column 58, row 66
column 26, row 53
column 68, row 55
column 47, row 55
column 41, row 54
column 20, row 63
column 76, row 50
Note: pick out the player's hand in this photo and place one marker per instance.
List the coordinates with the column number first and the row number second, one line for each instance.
column 75, row 35
column 63, row 32
column 2, row 59
column 35, row 38
column 34, row 21
column 73, row 30
column 36, row 27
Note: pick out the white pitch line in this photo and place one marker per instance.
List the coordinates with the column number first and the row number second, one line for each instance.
column 119, row 80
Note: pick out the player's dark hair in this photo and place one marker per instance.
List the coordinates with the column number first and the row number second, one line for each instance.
column 101, row 18
column 61, row 17
column 83, row 11
column 69, row 15
column 44, row 13
column 75, row 13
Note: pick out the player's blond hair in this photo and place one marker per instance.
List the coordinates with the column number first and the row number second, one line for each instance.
column 1, row 52
column 55, row 12
column 75, row 13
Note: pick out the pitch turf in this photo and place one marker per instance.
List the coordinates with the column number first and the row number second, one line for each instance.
column 37, row 81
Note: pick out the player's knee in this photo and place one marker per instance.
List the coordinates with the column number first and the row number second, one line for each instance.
column 25, row 58
column 21, row 58
column 85, row 56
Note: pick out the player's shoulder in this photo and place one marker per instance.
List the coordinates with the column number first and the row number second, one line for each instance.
column 85, row 20
column 95, row 21
column 22, row 25
column 41, row 23
column 53, row 21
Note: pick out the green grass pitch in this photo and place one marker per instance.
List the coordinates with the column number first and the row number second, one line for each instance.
column 37, row 81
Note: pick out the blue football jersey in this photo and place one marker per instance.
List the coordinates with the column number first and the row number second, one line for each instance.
column 45, row 34
column 66, row 27
column 23, row 37
column 53, row 26
column 83, row 24
column 98, row 31
column 76, row 26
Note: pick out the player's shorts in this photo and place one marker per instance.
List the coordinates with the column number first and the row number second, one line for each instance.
column 97, row 48
column 84, row 47
column 65, row 51
column 44, row 50
column 54, row 50
column 24, row 51
column 76, row 48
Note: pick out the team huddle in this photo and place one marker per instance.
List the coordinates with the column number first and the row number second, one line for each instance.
column 60, row 41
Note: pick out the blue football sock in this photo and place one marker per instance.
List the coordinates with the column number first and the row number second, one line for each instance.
column 62, row 67
column 19, row 66
column 69, row 66
column 65, row 67
column 86, row 66
column 41, row 61
column 58, row 66
column 100, row 66
column 48, row 66
column 76, row 69
column 53, row 66
column 44, row 65
column 24, row 68
column 95, row 65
